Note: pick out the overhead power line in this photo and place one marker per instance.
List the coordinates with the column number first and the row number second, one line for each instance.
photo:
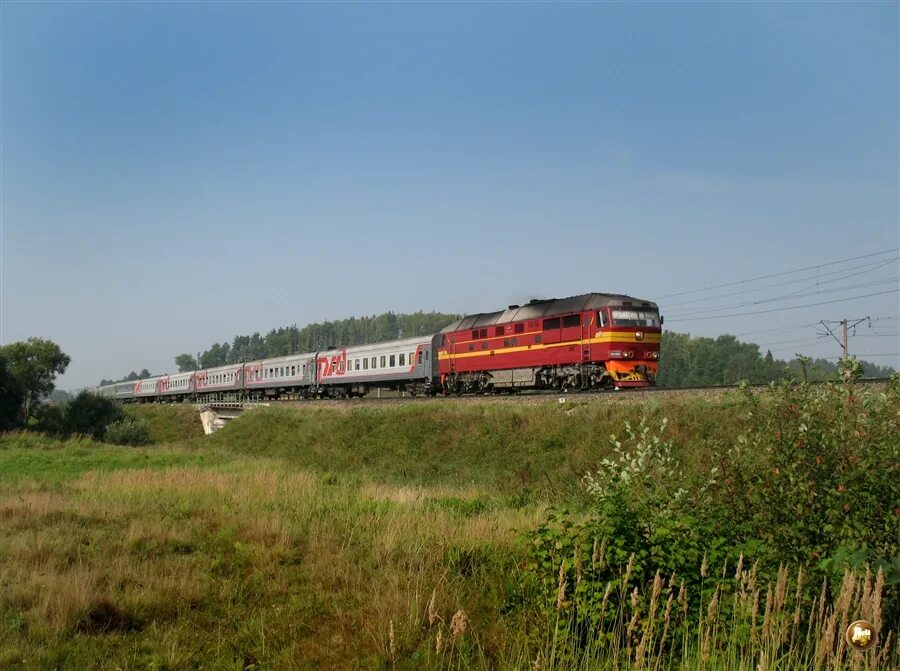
column 776, row 299
column 782, row 274
column 787, row 307
column 818, row 277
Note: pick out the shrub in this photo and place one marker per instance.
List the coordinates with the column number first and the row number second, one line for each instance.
column 814, row 477
column 128, row 432
column 89, row 415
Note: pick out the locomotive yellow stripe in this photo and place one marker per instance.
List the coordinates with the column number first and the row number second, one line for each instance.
column 649, row 338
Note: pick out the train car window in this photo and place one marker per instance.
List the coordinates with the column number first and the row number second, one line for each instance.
column 498, row 331
column 551, row 324
column 393, row 361
column 426, row 355
column 357, row 364
column 374, row 362
column 293, row 370
column 519, row 328
column 383, row 360
column 484, row 333
column 282, row 371
column 365, row 364
column 571, row 320
column 475, row 334
column 420, row 356
column 412, row 358
column 402, row 359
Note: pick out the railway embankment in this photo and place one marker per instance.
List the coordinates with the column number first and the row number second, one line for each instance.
column 479, row 535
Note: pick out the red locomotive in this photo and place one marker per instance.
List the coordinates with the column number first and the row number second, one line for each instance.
column 583, row 342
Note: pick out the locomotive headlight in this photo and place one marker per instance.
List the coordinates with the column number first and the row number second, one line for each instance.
column 629, row 354
column 653, row 355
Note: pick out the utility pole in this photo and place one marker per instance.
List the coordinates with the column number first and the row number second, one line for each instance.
column 846, row 344
column 846, row 325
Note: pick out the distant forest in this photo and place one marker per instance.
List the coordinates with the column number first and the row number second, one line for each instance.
column 291, row 339
column 685, row 360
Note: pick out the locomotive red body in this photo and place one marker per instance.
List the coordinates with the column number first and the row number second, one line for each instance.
column 583, row 342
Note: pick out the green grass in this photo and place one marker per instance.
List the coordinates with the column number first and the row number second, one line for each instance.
column 322, row 537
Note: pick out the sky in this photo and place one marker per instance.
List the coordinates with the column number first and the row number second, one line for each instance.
column 175, row 174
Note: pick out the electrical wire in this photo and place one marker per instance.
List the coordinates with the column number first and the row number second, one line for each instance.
column 788, row 307
column 776, row 299
column 819, row 280
column 782, row 274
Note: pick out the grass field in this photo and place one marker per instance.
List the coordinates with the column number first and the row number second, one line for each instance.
column 380, row 538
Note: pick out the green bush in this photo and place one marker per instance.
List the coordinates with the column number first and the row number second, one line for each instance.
column 813, row 478
column 128, row 431
column 89, row 415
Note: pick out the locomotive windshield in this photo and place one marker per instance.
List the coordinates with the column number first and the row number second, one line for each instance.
column 636, row 318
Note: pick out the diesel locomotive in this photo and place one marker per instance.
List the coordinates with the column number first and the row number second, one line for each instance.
column 591, row 341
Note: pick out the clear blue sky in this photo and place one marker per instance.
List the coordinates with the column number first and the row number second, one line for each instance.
column 176, row 174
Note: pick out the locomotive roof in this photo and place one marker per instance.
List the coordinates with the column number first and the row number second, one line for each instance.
column 536, row 309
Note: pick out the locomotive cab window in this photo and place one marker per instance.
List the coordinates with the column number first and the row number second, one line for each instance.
column 635, row 318
column 601, row 319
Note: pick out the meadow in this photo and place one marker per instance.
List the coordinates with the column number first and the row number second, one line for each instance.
column 737, row 532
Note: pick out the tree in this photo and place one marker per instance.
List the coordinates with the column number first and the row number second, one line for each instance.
column 35, row 365
column 186, row 362
column 11, row 397
column 144, row 374
column 90, row 415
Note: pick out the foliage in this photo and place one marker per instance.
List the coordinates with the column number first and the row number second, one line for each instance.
column 89, row 415
column 11, row 397
column 687, row 362
column 186, row 362
column 128, row 431
column 811, row 480
column 131, row 377
column 35, row 365
column 313, row 337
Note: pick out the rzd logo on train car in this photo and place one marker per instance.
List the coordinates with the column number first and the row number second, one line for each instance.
column 332, row 365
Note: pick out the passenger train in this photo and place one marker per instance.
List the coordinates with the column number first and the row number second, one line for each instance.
column 591, row 341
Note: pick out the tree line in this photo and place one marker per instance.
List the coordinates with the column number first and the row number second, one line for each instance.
column 29, row 399
column 313, row 337
column 686, row 361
